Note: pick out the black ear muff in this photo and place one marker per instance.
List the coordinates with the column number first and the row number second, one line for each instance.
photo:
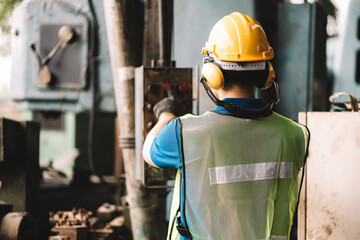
column 213, row 75
column 270, row 77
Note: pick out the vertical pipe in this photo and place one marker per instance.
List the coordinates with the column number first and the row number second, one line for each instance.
column 147, row 218
column 161, row 28
column 311, row 58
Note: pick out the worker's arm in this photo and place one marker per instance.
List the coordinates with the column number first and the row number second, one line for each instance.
column 164, row 111
column 164, row 118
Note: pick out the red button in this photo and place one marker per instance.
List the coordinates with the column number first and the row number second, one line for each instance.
column 166, row 85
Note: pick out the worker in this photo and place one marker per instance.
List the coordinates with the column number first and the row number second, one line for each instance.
column 239, row 164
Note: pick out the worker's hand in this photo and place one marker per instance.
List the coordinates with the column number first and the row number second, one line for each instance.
column 166, row 105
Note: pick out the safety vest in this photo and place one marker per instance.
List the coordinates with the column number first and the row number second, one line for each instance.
column 240, row 176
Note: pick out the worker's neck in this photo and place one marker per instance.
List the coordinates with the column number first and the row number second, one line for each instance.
column 237, row 92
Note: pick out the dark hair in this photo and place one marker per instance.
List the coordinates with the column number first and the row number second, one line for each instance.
column 245, row 79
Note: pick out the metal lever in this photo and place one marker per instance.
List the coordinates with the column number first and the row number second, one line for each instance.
column 65, row 34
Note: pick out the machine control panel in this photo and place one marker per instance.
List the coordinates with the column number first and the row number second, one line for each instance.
column 151, row 86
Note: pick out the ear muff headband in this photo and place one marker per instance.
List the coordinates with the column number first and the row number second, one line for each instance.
column 213, row 75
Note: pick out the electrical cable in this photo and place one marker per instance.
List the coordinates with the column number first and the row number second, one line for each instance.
column 93, row 87
column 303, row 177
column 90, row 72
column 241, row 112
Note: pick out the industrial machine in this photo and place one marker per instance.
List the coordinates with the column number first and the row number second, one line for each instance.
column 79, row 224
column 151, row 85
column 60, row 61
column 62, row 76
column 156, row 79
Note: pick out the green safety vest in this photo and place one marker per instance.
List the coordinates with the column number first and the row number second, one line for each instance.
column 241, row 178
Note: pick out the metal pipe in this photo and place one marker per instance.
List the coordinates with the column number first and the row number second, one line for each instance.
column 144, row 204
column 161, row 28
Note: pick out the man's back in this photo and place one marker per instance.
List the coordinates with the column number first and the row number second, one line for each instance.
column 236, row 169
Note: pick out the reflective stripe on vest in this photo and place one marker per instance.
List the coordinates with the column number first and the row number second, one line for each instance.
column 241, row 175
column 250, row 172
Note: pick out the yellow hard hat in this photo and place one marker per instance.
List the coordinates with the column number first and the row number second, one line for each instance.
column 238, row 38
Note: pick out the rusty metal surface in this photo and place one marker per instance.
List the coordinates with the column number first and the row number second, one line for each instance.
column 329, row 207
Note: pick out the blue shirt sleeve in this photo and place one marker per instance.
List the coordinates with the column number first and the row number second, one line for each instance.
column 165, row 149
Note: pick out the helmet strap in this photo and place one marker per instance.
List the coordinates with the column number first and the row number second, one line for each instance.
column 241, row 112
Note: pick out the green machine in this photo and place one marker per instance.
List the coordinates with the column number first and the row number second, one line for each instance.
column 62, row 77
